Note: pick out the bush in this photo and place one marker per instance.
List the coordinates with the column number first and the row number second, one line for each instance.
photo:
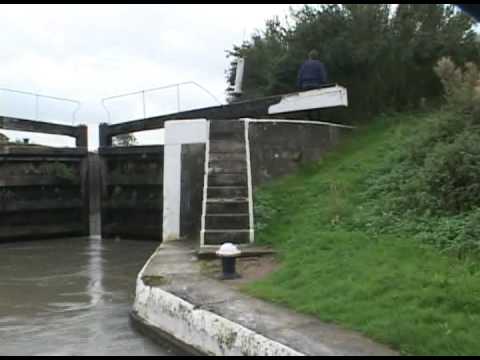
column 433, row 190
column 383, row 54
column 462, row 87
column 451, row 173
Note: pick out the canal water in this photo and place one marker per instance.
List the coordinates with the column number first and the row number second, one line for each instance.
column 72, row 297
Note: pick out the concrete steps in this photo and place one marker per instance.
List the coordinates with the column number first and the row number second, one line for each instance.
column 227, row 206
column 227, row 156
column 227, row 192
column 225, row 216
column 226, row 146
column 228, row 166
column 237, row 221
column 227, row 179
column 219, row 237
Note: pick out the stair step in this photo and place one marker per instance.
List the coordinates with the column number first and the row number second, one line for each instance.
column 213, row 200
column 227, row 192
column 227, row 204
column 231, row 156
column 227, row 166
column 228, row 133
column 219, row 237
column 230, row 137
column 226, row 146
column 223, row 206
column 226, row 221
column 227, row 179
column 226, row 126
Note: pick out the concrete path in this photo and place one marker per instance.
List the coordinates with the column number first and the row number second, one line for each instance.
column 174, row 269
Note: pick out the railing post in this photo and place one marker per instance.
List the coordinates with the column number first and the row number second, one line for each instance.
column 178, row 98
column 81, row 140
column 105, row 140
column 36, row 107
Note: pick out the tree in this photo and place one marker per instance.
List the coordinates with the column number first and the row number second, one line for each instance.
column 124, row 140
column 383, row 55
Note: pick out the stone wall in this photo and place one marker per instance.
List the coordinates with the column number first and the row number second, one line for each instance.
column 280, row 148
column 276, row 149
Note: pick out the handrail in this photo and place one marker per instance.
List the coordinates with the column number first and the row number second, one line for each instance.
column 37, row 96
column 177, row 85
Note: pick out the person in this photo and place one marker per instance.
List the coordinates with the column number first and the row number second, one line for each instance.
column 312, row 73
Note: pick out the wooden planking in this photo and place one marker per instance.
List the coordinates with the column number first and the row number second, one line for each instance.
column 134, row 180
column 36, row 180
column 129, row 151
column 262, row 107
column 41, row 217
column 80, row 133
column 48, row 204
column 248, row 108
column 132, row 186
column 40, row 205
column 11, row 123
column 36, row 231
column 39, row 151
column 35, row 159
column 133, row 204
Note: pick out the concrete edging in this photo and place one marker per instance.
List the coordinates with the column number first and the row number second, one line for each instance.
column 176, row 303
column 190, row 327
column 199, row 329
column 156, row 334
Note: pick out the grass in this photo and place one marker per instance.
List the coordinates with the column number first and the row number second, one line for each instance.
column 396, row 290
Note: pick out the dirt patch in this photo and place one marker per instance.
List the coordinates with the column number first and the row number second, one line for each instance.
column 250, row 269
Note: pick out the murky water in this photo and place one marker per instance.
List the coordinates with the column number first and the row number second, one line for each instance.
column 72, row 297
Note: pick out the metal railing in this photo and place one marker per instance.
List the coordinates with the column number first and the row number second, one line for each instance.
column 143, row 92
column 38, row 97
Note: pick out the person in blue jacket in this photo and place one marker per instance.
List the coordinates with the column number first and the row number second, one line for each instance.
column 312, row 73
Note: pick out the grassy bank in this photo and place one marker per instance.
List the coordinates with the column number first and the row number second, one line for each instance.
column 339, row 265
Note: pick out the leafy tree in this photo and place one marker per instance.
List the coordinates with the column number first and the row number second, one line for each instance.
column 383, row 55
column 124, row 140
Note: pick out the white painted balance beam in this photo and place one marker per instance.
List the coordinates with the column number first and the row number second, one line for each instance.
column 310, row 100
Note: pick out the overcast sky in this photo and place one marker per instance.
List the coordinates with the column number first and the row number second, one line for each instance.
column 89, row 52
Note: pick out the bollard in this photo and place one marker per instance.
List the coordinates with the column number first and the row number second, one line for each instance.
column 228, row 252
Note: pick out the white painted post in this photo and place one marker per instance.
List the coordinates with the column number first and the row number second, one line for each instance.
column 249, row 181
column 177, row 133
column 205, row 186
column 172, row 158
column 239, row 76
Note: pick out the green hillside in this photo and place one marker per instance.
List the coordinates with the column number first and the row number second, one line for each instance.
column 366, row 241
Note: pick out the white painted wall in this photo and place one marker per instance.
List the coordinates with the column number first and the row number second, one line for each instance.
column 177, row 133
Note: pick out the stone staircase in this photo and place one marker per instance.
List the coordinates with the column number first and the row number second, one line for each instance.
column 226, row 215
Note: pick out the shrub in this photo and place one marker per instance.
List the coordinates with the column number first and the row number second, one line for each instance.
column 462, row 87
column 451, row 172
